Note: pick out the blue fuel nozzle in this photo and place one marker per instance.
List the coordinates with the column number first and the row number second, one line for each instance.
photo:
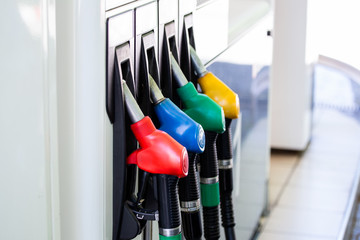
column 176, row 123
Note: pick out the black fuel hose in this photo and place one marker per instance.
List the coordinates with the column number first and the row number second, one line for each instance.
column 225, row 159
column 190, row 201
column 209, row 184
column 169, row 213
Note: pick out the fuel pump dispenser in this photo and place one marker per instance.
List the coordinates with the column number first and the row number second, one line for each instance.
column 141, row 113
column 225, row 97
column 211, row 116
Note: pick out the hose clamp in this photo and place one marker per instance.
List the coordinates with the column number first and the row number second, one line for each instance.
column 190, row 206
column 170, row 232
column 226, row 163
column 210, row 180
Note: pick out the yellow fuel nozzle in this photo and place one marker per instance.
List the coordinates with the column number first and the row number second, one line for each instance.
column 215, row 88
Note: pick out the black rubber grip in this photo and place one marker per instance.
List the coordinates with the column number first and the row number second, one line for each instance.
column 209, row 169
column 189, row 185
column 169, row 208
column 227, row 216
column 208, row 159
column 224, row 148
column 211, row 223
column 189, row 191
column 223, row 143
column 225, row 182
column 191, row 223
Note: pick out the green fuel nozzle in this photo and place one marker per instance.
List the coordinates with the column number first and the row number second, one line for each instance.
column 198, row 106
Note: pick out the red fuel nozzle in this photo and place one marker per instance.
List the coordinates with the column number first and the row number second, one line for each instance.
column 159, row 153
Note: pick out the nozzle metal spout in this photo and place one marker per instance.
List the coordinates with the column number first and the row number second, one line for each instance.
column 155, row 91
column 132, row 107
column 198, row 66
column 177, row 73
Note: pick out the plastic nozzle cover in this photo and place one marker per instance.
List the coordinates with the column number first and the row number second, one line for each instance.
column 158, row 153
column 202, row 109
column 180, row 126
column 221, row 94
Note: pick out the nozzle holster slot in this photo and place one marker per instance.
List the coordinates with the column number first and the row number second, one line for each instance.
column 148, row 65
column 124, row 143
column 187, row 39
column 169, row 46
